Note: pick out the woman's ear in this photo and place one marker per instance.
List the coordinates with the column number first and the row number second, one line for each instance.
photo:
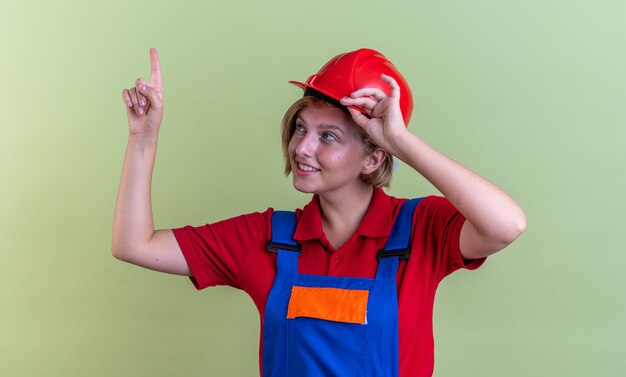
column 373, row 161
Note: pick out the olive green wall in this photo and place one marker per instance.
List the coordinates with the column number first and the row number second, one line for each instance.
column 530, row 94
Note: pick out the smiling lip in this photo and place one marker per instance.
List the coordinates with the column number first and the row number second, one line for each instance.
column 304, row 170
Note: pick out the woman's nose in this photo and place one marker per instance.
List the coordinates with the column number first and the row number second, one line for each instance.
column 306, row 145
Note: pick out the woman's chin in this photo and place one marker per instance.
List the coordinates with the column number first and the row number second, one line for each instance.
column 303, row 188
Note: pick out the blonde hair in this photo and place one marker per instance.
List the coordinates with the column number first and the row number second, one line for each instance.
column 381, row 177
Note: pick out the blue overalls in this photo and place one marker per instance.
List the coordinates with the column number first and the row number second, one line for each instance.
column 330, row 325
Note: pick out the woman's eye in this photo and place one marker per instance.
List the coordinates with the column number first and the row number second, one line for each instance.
column 299, row 128
column 328, row 136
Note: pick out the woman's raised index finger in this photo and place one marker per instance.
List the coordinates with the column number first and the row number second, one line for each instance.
column 155, row 77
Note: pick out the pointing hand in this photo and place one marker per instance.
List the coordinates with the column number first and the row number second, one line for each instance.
column 144, row 102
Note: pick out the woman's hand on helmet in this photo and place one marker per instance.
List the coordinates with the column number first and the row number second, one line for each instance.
column 144, row 102
column 385, row 124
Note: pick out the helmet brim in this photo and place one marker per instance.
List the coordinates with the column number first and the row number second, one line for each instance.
column 304, row 86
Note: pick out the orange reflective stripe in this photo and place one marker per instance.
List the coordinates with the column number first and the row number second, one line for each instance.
column 332, row 304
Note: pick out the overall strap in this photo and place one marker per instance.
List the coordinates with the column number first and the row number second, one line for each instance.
column 283, row 227
column 282, row 242
column 398, row 243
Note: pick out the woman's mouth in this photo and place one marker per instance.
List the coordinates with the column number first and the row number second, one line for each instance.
column 303, row 169
column 306, row 167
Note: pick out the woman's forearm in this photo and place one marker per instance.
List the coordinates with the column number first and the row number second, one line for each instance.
column 133, row 222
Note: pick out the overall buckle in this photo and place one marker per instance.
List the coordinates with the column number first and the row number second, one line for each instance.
column 403, row 254
column 275, row 246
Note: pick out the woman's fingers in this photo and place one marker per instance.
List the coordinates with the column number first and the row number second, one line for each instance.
column 126, row 98
column 155, row 69
column 369, row 92
column 149, row 93
column 365, row 103
column 358, row 118
column 141, row 97
column 143, row 102
column 395, row 88
column 135, row 101
column 379, row 94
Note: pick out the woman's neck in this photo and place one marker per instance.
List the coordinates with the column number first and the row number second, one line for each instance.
column 341, row 216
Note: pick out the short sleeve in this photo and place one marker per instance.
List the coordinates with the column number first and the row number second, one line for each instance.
column 440, row 223
column 216, row 252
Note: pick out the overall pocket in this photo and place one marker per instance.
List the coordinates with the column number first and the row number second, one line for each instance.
column 327, row 330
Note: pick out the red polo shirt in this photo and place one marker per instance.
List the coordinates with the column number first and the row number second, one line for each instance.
column 233, row 252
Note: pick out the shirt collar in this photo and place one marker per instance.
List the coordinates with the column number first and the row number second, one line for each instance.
column 377, row 221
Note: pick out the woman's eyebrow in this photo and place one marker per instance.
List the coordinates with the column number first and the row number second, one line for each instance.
column 324, row 126
column 331, row 127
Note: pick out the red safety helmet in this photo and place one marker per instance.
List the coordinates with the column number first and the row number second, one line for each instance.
column 348, row 72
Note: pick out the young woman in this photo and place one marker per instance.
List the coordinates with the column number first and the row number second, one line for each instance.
column 331, row 302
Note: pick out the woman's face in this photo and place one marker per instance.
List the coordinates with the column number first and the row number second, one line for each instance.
column 326, row 151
